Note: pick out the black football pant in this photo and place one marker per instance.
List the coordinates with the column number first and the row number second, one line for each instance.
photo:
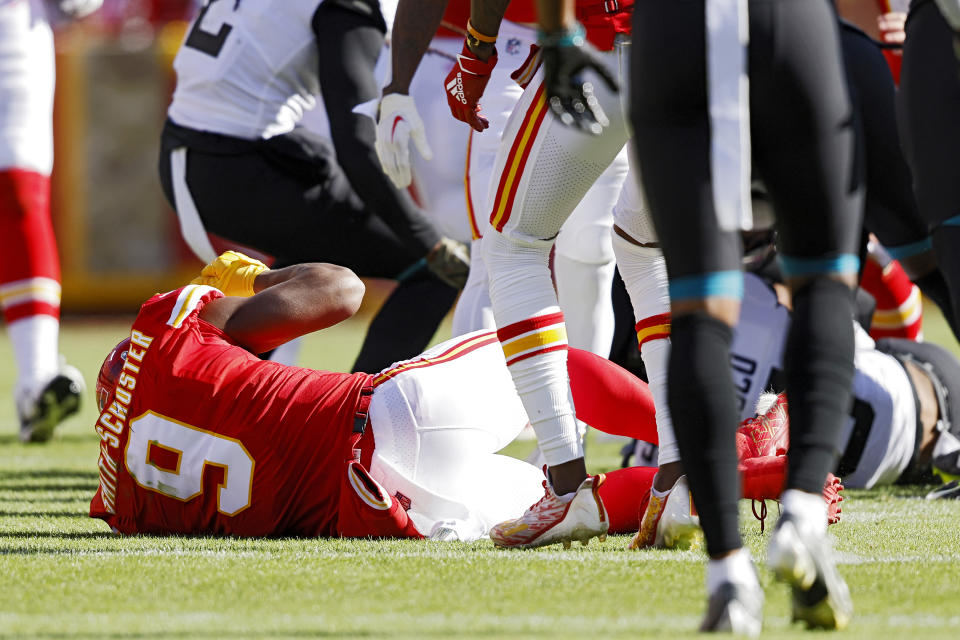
column 929, row 101
column 287, row 197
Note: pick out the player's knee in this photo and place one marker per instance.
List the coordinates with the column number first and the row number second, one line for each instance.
column 502, row 253
column 589, row 244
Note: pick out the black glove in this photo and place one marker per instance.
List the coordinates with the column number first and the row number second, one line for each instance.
column 566, row 54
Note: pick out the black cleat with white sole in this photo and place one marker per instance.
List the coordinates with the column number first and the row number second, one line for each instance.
column 59, row 399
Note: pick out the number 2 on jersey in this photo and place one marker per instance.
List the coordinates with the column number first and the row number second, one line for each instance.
column 209, row 43
column 170, row 457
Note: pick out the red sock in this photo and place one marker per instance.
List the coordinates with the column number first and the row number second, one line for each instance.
column 610, row 398
column 899, row 311
column 30, row 269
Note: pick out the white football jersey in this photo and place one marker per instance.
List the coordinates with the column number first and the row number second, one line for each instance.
column 247, row 69
column 878, row 438
column 757, row 349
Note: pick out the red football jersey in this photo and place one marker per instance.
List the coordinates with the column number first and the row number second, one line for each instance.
column 202, row 437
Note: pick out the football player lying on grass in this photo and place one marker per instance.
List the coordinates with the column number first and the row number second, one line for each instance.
column 904, row 425
column 905, row 419
column 199, row 436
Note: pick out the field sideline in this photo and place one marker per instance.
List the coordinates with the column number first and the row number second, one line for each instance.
column 64, row 576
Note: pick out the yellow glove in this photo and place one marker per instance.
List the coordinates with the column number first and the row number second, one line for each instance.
column 232, row 272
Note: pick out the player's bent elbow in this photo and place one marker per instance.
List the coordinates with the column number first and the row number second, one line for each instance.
column 352, row 292
column 341, row 289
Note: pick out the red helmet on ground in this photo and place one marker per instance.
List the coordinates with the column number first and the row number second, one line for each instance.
column 110, row 373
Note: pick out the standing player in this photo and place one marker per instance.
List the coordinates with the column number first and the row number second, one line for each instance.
column 47, row 390
column 696, row 121
column 235, row 162
column 541, row 172
column 693, row 139
column 583, row 262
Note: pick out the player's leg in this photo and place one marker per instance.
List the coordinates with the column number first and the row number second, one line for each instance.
column 799, row 96
column 474, row 311
column 644, row 272
column 696, row 213
column 929, row 96
column 543, row 169
column 583, row 262
column 436, row 417
column 45, row 391
column 891, row 211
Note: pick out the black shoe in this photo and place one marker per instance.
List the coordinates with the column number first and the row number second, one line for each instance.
column 59, row 399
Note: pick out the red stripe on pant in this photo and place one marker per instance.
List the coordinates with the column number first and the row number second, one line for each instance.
column 500, row 213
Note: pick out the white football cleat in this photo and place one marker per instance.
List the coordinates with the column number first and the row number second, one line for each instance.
column 41, row 410
column 554, row 519
column 669, row 522
column 805, row 562
column 735, row 608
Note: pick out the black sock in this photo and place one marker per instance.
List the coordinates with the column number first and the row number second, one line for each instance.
column 704, row 410
column 818, row 364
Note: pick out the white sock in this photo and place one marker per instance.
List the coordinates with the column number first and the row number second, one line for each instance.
column 736, row 568
column 35, row 349
column 644, row 272
column 808, row 510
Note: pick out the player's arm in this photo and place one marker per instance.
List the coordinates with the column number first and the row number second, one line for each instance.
column 398, row 120
column 485, row 17
column 349, row 41
column 414, row 25
column 287, row 303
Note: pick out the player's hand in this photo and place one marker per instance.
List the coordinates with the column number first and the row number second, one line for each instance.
column 398, row 122
column 78, row 8
column 232, row 273
column 566, row 55
column 464, row 86
column 449, row 260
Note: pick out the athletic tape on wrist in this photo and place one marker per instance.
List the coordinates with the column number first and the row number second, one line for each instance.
column 572, row 37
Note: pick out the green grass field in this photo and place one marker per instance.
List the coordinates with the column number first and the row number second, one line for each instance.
column 63, row 575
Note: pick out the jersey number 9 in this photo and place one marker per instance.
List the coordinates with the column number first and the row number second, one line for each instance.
column 170, row 457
